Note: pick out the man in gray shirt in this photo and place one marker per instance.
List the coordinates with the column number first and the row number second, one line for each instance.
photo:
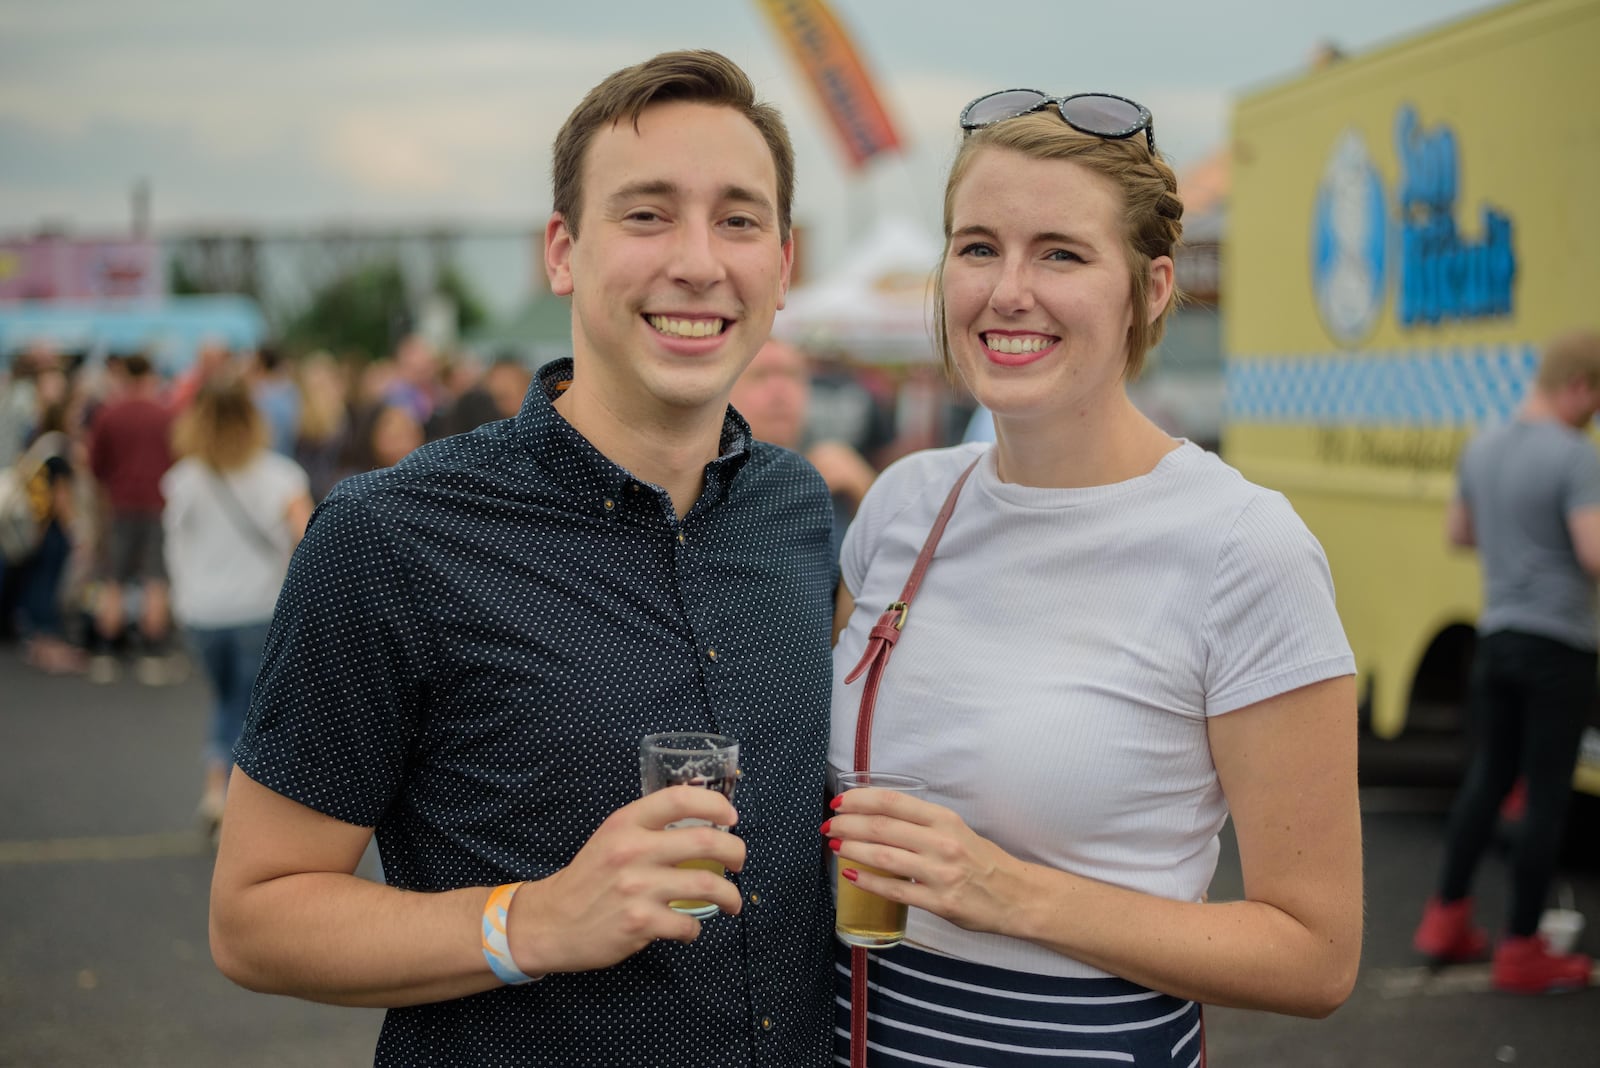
column 1528, row 500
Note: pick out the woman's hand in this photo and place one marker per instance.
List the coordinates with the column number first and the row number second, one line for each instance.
column 956, row 873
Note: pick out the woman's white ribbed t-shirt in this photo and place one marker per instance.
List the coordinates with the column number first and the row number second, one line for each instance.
column 1063, row 653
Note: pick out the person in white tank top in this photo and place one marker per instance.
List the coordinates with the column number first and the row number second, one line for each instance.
column 1119, row 643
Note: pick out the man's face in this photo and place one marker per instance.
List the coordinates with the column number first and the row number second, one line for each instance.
column 773, row 393
column 680, row 267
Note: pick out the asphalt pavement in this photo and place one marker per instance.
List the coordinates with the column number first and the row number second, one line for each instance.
column 104, row 876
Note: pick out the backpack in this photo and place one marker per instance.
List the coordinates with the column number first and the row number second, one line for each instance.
column 22, row 518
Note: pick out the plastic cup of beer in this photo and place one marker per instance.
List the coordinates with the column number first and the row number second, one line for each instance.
column 860, row 918
column 691, row 758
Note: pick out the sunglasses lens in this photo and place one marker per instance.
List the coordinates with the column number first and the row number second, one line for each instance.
column 1105, row 115
column 997, row 106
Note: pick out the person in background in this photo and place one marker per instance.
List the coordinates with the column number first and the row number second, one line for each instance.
column 414, row 384
column 235, row 509
column 497, row 395
column 774, row 395
column 273, row 387
column 324, row 436
column 1528, row 500
column 18, row 414
column 39, row 577
column 394, row 433
column 471, row 644
column 1120, row 645
column 129, row 451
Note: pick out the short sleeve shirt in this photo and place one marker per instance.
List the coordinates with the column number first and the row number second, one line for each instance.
column 466, row 653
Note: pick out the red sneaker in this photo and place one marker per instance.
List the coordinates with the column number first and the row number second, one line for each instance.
column 1526, row 966
column 1446, row 934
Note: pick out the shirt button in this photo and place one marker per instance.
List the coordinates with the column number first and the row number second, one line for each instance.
column 766, row 1023
column 680, row 539
column 610, row 504
column 755, row 897
column 712, row 653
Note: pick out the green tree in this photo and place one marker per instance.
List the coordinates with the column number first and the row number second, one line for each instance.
column 470, row 311
column 363, row 312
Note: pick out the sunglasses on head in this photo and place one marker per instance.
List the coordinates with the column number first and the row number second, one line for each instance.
column 1100, row 114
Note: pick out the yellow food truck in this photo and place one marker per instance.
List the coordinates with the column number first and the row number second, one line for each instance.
column 1406, row 228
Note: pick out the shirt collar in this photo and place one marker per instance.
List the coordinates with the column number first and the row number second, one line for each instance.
column 570, row 458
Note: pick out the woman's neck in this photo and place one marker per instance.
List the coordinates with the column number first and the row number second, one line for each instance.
column 1113, row 444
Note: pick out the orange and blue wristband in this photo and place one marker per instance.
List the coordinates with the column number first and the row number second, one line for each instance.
column 496, row 948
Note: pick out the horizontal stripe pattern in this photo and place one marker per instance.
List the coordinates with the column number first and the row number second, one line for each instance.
column 927, row 1009
column 1443, row 387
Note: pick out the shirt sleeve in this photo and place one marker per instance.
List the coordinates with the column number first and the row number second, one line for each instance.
column 336, row 708
column 1272, row 625
column 1583, row 489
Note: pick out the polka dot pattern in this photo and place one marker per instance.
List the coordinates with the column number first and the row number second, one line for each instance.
column 466, row 652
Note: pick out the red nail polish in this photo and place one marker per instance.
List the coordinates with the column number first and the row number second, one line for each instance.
column 834, row 844
column 836, row 802
column 850, row 873
column 825, row 825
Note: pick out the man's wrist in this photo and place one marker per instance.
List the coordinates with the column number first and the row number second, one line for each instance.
column 496, row 944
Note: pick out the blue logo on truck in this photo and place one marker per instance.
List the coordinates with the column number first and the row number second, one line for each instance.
column 1445, row 276
column 1349, row 240
column 1359, row 245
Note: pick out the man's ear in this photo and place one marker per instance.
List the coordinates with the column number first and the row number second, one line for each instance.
column 558, row 241
column 788, row 269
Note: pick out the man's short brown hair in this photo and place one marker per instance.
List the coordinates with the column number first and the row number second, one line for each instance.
column 701, row 77
column 1569, row 356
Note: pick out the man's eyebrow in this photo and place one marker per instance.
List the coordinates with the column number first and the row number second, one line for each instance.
column 663, row 188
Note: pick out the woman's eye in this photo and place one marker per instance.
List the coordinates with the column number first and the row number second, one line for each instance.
column 1061, row 255
column 977, row 248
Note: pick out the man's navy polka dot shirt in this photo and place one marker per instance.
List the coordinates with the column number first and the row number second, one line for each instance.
column 466, row 653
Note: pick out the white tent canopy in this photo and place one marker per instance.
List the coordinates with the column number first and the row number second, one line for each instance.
column 878, row 307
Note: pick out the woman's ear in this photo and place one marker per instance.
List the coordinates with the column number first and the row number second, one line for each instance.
column 1161, row 286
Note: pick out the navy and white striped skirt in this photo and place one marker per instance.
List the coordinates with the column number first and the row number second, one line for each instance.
column 926, row 1009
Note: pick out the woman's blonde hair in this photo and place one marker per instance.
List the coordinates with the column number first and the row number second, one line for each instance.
column 1152, row 213
column 222, row 429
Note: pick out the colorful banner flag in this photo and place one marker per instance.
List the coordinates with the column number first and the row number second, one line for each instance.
column 820, row 45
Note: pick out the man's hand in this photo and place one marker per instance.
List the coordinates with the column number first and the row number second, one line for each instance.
column 612, row 900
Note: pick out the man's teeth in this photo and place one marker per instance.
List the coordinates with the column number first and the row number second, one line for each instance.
column 1016, row 346
column 687, row 327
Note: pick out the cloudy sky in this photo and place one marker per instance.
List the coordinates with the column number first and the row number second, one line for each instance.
column 305, row 112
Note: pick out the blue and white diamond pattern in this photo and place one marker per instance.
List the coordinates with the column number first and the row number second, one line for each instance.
column 1445, row 387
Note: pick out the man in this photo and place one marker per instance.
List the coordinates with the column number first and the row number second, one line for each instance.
column 1529, row 502
column 129, row 451
column 774, row 394
column 470, row 646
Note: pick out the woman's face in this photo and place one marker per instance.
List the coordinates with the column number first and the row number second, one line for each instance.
column 394, row 435
column 1036, row 287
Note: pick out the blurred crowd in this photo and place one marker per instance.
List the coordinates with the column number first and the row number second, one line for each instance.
column 87, row 443
column 90, row 441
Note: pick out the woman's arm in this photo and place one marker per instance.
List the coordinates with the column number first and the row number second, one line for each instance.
column 1287, row 766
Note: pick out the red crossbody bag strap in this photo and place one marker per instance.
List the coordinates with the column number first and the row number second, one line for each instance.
column 880, row 643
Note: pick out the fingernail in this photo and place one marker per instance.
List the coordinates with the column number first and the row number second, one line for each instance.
column 834, row 844
column 825, row 825
column 836, row 802
column 850, row 873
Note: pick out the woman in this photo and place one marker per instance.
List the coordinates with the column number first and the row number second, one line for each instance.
column 1119, row 642
column 234, row 512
